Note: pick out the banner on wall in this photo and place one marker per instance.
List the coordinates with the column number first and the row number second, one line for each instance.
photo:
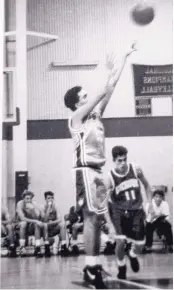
column 153, row 80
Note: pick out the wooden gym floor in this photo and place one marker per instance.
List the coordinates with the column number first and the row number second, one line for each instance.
column 57, row 272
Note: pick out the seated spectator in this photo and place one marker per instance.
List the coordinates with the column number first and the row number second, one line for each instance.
column 7, row 230
column 28, row 215
column 157, row 218
column 53, row 224
column 74, row 223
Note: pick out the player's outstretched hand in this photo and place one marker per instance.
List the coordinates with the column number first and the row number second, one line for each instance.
column 132, row 49
column 110, row 61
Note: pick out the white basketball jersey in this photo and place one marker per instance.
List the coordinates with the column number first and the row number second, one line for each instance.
column 89, row 142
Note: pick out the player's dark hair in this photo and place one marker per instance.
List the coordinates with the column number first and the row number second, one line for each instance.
column 48, row 193
column 71, row 97
column 72, row 209
column 27, row 192
column 118, row 151
column 159, row 192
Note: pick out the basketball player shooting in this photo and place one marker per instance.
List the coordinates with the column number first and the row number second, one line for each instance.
column 88, row 135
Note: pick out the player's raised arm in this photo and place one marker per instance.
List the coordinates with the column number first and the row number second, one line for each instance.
column 84, row 110
column 116, row 71
column 76, row 98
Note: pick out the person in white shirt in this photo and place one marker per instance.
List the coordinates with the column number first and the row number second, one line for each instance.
column 157, row 218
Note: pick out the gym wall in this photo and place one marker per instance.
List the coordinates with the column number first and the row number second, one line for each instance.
column 88, row 30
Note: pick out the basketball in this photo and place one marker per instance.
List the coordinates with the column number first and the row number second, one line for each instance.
column 142, row 14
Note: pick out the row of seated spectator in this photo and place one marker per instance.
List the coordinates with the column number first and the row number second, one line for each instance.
column 32, row 220
column 43, row 223
column 46, row 222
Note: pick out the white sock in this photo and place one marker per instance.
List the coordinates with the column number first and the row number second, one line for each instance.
column 98, row 260
column 63, row 242
column 104, row 238
column 121, row 262
column 22, row 242
column 73, row 242
column 132, row 253
column 38, row 243
column 91, row 260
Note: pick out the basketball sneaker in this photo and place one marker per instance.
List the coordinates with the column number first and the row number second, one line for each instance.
column 109, row 248
column 64, row 252
column 122, row 272
column 12, row 251
column 47, row 251
column 38, row 253
column 94, row 276
column 22, row 252
column 75, row 250
column 134, row 263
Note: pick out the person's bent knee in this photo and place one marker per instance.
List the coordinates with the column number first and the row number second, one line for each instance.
column 75, row 227
column 61, row 226
column 38, row 226
column 92, row 217
column 45, row 226
column 87, row 213
column 23, row 224
column 9, row 227
column 120, row 242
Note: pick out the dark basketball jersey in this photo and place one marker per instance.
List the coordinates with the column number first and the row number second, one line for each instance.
column 126, row 193
column 89, row 142
column 50, row 214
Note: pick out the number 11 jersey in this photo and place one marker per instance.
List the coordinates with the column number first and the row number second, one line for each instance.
column 126, row 190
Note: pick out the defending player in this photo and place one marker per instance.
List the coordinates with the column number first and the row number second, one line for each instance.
column 126, row 207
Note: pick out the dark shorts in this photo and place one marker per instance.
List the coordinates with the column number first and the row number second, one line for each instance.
column 129, row 224
column 90, row 190
column 30, row 230
column 53, row 230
